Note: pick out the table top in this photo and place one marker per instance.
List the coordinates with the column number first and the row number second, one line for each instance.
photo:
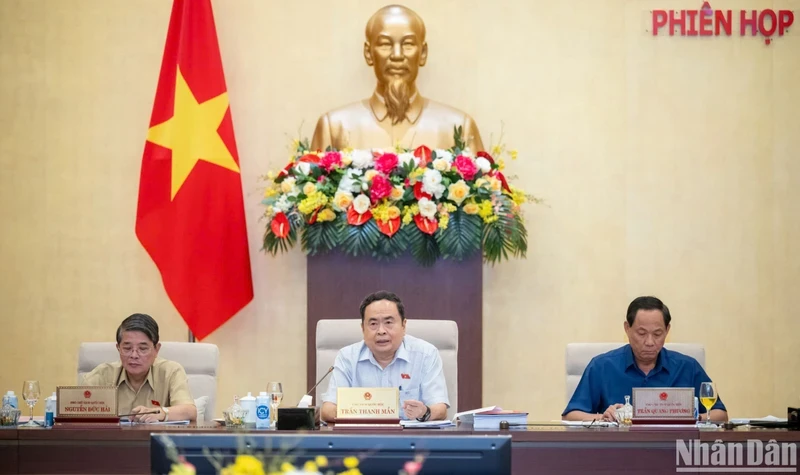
column 528, row 434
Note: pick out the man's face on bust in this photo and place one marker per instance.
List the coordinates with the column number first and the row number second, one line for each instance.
column 383, row 328
column 647, row 335
column 396, row 49
column 137, row 353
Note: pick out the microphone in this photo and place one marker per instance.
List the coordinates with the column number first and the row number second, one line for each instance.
column 330, row 370
column 306, row 400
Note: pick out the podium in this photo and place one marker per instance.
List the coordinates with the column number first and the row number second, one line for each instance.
column 448, row 290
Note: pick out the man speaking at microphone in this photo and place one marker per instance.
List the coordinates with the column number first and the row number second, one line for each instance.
column 387, row 357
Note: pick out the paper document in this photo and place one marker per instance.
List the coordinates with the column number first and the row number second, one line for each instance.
column 769, row 418
column 469, row 416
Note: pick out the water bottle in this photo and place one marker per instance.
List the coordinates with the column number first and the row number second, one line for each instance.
column 10, row 399
column 262, row 411
column 50, row 405
column 249, row 402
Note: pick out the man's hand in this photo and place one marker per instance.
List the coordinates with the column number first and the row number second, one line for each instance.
column 414, row 409
column 147, row 414
column 611, row 413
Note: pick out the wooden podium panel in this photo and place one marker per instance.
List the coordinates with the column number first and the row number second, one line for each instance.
column 448, row 290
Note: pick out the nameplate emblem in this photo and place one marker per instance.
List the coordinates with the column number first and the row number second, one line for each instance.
column 86, row 402
column 367, row 403
column 663, row 403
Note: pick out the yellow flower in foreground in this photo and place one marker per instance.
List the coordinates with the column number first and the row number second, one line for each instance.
column 501, row 164
column 444, row 220
column 245, row 465
column 487, row 212
column 497, row 150
column 270, row 175
column 321, row 460
column 342, row 200
column 182, row 469
column 310, row 467
column 270, row 192
column 513, row 154
column 350, row 462
column 287, row 467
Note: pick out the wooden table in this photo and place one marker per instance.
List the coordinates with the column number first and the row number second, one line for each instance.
column 545, row 449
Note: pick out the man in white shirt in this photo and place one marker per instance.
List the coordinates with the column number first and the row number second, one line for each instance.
column 387, row 357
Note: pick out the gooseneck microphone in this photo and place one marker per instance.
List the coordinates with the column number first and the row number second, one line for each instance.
column 330, row 370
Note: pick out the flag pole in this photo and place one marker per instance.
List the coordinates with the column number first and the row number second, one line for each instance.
column 191, row 337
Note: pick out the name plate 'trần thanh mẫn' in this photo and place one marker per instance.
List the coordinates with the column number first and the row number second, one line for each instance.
column 367, row 403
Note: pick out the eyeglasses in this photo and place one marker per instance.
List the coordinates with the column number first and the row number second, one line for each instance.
column 142, row 351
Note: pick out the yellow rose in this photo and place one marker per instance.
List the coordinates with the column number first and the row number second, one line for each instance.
column 397, row 193
column 471, row 208
column 287, row 185
column 326, row 214
column 495, row 184
column 441, row 164
column 458, row 192
column 309, row 188
column 369, row 175
column 342, row 200
column 346, row 158
column 350, row 462
column 394, row 212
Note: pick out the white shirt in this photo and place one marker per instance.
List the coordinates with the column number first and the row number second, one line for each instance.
column 416, row 370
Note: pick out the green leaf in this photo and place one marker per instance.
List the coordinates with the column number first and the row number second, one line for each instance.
column 391, row 247
column 505, row 236
column 360, row 240
column 319, row 238
column 462, row 236
column 423, row 246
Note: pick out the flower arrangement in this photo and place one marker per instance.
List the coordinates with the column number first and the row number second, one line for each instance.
column 247, row 464
column 434, row 203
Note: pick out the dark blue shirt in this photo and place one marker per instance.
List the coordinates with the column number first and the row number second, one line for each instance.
column 610, row 377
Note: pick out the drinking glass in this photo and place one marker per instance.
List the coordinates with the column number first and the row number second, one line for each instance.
column 275, row 391
column 708, row 397
column 31, row 393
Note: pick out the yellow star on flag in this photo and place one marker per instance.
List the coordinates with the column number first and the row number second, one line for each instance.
column 191, row 133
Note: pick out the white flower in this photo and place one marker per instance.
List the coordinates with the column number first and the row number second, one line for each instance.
column 406, row 158
column 361, row 204
column 432, row 183
column 427, row 208
column 304, row 167
column 483, row 164
column 283, row 204
column 362, row 158
column 441, row 153
column 348, row 182
column 441, row 164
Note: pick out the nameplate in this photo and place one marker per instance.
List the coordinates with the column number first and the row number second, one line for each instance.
column 86, row 402
column 663, row 403
column 367, row 403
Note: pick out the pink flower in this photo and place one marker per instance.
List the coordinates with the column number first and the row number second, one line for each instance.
column 466, row 167
column 412, row 467
column 381, row 188
column 330, row 160
column 386, row 163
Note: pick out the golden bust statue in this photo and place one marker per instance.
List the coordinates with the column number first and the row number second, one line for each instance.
column 395, row 47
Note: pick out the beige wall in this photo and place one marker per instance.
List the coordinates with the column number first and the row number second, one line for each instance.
column 668, row 165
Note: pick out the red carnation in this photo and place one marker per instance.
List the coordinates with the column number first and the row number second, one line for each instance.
column 380, row 189
column 466, row 167
column 386, row 163
column 330, row 160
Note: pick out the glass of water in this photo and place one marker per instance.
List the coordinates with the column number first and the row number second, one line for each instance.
column 275, row 391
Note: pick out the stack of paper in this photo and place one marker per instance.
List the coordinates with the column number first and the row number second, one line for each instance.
column 490, row 420
column 426, row 424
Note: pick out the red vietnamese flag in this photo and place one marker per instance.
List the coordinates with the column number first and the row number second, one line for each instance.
column 191, row 211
